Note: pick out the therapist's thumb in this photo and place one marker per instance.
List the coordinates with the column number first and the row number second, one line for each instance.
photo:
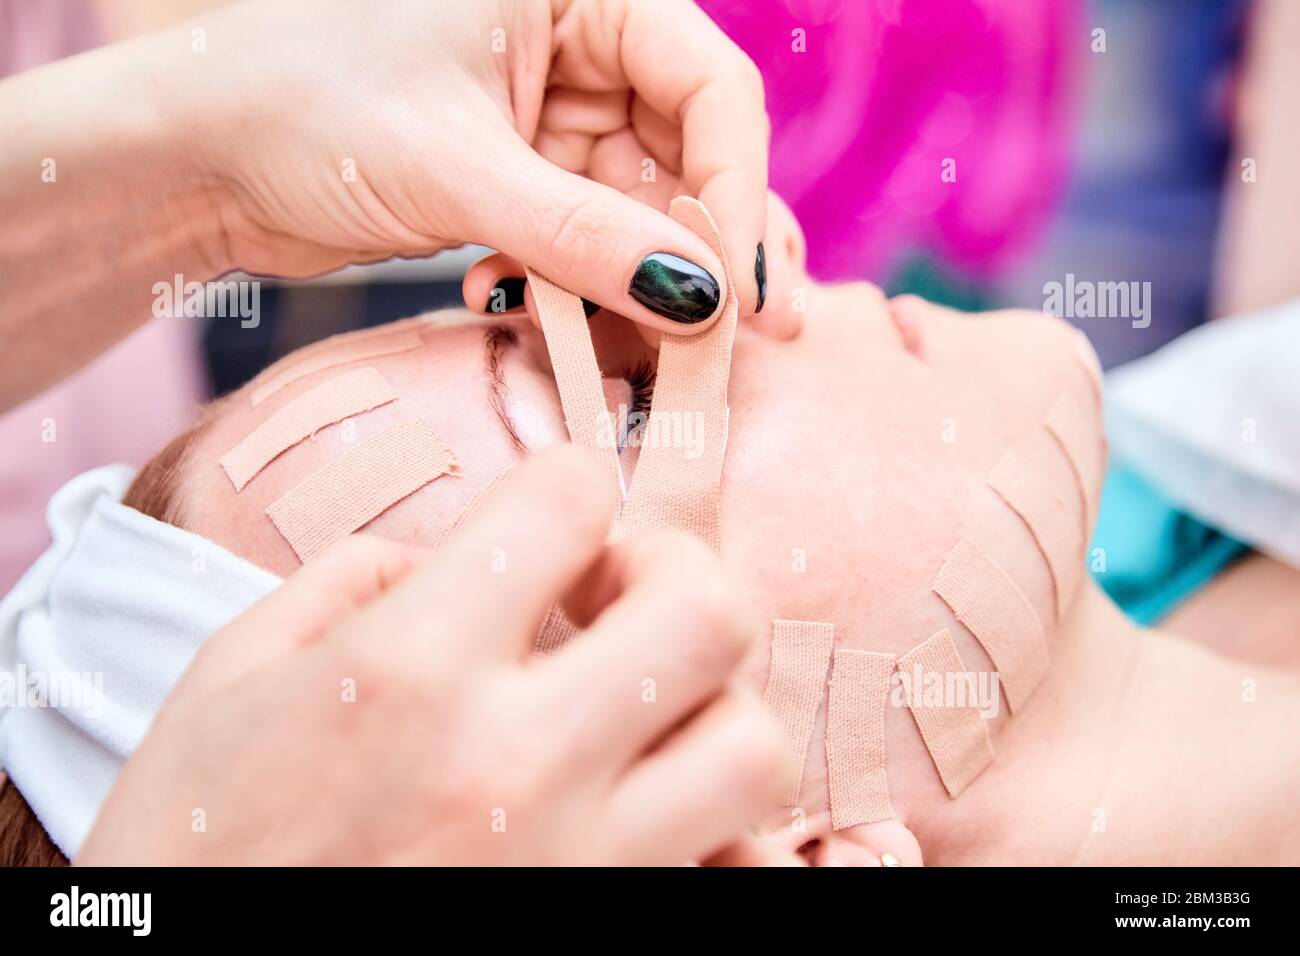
column 343, row 578
column 601, row 244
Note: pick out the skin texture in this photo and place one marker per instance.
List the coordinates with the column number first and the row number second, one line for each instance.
column 444, row 720
column 861, row 446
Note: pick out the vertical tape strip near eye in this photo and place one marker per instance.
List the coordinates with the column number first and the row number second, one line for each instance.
column 577, row 374
column 674, row 486
column 956, row 736
column 801, row 651
column 353, row 350
column 341, row 397
column 855, row 738
column 353, row 490
column 677, row 485
column 985, row 599
column 1030, row 495
column 1069, row 424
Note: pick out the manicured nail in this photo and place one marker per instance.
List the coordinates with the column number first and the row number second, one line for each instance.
column 675, row 288
column 888, row 859
column 589, row 308
column 760, row 276
column 506, row 295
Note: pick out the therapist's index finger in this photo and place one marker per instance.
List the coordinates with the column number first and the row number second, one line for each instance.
column 685, row 67
column 485, row 592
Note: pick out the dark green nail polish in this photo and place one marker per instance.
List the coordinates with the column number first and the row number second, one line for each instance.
column 675, row 288
column 505, row 295
column 760, row 276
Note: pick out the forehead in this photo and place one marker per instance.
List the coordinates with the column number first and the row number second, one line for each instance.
column 441, row 381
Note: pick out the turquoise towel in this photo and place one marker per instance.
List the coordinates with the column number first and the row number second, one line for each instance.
column 1155, row 555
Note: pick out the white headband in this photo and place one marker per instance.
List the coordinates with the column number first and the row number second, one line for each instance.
column 95, row 636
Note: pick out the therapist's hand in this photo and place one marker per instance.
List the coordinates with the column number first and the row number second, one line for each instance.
column 556, row 131
column 382, row 706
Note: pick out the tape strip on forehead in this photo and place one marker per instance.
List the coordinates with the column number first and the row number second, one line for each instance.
column 353, row 350
column 801, row 652
column 1057, row 534
column 956, row 736
column 341, row 397
column 475, row 503
column 353, row 490
column 855, row 737
column 983, row 597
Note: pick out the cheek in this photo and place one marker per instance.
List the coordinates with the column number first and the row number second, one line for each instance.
column 847, row 485
column 840, row 498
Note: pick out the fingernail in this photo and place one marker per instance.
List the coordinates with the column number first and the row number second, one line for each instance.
column 507, row 294
column 589, row 308
column 888, row 859
column 760, row 277
column 675, row 288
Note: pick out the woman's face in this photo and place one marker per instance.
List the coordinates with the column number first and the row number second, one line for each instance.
column 855, row 460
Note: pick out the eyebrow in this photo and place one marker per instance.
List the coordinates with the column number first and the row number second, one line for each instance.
column 496, row 339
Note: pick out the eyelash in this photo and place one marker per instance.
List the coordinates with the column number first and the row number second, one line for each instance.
column 640, row 379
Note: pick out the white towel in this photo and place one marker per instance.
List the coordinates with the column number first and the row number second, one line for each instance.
column 1213, row 419
column 106, row 621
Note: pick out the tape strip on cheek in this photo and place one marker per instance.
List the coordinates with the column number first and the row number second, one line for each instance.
column 957, row 737
column 1068, row 423
column 349, row 394
column 355, row 489
column 1030, row 496
column 474, row 504
column 677, row 482
column 801, row 652
column 985, row 599
column 352, row 351
column 855, row 738
column 577, row 374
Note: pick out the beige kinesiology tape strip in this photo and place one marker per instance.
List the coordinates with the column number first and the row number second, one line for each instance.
column 985, row 599
column 475, row 503
column 1070, row 424
column 577, row 374
column 329, row 402
column 1030, row 495
column 676, row 484
column 939, row 694
column 855, row 737
column 353, row 490
column 801, row 652
column 353, row 350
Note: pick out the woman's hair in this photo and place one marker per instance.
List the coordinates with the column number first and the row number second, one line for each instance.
column 156, row 492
